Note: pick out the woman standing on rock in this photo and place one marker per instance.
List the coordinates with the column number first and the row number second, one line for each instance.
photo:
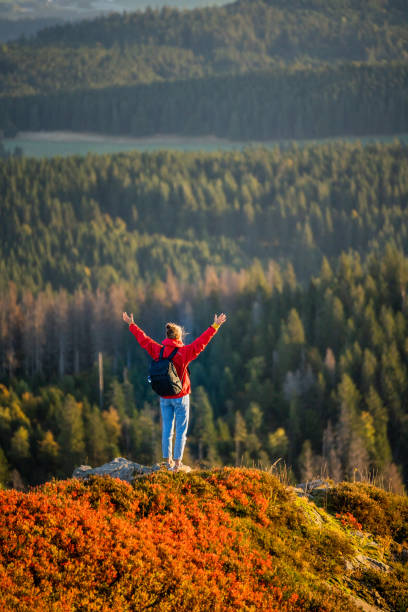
column 175, row 408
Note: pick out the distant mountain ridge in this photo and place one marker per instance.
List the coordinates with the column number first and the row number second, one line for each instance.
column 184, row 51
column 238, row 37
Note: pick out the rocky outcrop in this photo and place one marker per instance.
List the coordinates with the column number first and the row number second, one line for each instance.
column 312, row 485
column 117, row 468
column 124, row 469
column 363, row 561
column 311, row 489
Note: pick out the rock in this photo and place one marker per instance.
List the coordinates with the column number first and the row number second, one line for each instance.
column 117, row 468
column 312, row 485
column 321, row 490
column 372, row 563
column 363, row 605
column 367, row 541
column 361, row 560
column 298, row 491
column 314, row 516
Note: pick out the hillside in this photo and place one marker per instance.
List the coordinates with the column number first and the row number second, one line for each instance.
column 26, row 17
column 107, row 219
column 313, row 371
column 230, row 539
column 168, row 44
column 146, row 72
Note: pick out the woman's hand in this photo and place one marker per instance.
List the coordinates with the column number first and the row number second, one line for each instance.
column 127, row 319
column 220, row 319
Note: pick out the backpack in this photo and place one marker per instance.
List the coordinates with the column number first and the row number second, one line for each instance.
column 163, row 375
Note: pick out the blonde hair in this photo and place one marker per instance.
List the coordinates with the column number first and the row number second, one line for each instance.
column 174, row 331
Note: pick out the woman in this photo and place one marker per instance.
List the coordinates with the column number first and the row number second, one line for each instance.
column 175, row 408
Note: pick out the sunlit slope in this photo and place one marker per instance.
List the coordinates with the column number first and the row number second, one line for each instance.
column 105, row 219
column 231, row 539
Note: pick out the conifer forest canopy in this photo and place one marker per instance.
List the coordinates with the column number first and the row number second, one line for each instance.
column 305, row 249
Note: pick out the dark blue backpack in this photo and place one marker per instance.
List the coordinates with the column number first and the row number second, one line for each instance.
column 163, row 375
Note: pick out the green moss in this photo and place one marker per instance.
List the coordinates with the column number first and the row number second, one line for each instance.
column 379, row 512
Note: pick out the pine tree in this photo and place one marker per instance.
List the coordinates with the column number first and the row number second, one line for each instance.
column 224, row 441
column 382, row 450
column 48, row 450
column 117, row 398
column 253, row 419
column 331, row 455
column 4, row 469
column 96, row 441
column 278, row 443
column 71, row 436
column 368, row 370
column 20, row 445
column 357, row 461
column 240, row 436
column 203, row 431
column 306, row 462
column 291, row 342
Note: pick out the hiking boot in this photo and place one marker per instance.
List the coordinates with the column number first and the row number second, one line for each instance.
column 166, row 465
column 181, row 468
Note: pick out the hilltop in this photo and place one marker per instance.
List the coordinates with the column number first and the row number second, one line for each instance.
column 222, row 539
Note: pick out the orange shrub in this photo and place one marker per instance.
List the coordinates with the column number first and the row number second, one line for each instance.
column 170, row 543
column 348, row 520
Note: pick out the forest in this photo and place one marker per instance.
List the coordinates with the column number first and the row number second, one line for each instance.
column 93, row 221
column 279, row 104
column 305, row 249
column 170, row 44
column 249, row 70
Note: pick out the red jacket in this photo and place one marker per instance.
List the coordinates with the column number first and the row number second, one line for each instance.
column 185, row 354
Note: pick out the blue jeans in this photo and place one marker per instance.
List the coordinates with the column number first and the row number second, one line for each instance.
column 176, row 409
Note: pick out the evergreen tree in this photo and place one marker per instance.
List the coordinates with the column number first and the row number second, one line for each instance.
column 49, row 450
column 71, row 437
column 306, row 462
column 240, row 436
column 4, row 469
column 20, row 445
column 96, row 440
column 203, row 431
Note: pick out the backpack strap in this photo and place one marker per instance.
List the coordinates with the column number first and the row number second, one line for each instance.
column 170, row 357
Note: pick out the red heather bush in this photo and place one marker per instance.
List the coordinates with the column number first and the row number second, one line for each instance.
column 170, row 543
column 348, row 520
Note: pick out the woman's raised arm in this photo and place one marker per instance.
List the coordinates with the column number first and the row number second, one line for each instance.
column 127, row 319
